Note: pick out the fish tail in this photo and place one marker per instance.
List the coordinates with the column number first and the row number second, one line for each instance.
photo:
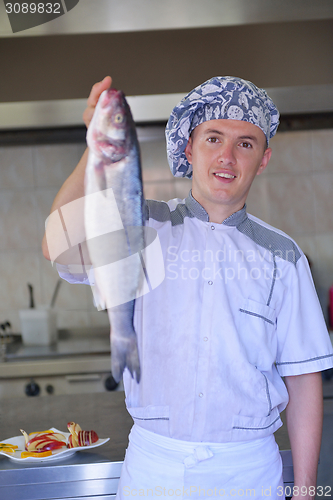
column 124, row 353
column 133, row 362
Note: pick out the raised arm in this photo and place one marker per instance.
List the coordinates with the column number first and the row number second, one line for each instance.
column 304, row 421
column 73, row 187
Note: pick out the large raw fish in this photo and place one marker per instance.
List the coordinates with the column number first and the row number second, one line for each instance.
column 114, row 222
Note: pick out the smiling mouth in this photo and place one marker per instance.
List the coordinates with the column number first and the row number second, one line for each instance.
column 225, row 175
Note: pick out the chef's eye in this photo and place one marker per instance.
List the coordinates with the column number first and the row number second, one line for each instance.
column 246, row 145
column 212, row 139
column 118, row 118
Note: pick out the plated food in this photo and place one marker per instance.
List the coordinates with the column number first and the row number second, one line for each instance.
column 8, row 447
column 39, row 442
column 79, row 437
column 51, row 444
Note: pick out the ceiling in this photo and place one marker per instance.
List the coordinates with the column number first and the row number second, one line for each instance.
column 157, row 50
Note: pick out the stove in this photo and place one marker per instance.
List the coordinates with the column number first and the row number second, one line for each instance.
column 78, row 363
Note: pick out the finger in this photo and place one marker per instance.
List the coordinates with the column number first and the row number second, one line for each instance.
column 95, row 93
column 87, row 115
column 97, row 89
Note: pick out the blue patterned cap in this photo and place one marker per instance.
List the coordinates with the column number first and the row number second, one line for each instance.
column 224, row 97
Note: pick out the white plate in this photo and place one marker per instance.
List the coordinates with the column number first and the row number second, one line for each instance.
column 60, row 454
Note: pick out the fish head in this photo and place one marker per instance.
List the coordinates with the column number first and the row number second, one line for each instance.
column 110, row 137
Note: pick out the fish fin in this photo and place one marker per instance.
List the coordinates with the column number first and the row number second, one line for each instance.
column 100, row 176
column 124, row 353
column 102, row 182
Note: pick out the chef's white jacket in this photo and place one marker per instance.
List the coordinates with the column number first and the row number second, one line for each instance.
column 236, row 311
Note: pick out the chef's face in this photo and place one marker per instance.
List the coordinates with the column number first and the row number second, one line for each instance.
column 226, row 155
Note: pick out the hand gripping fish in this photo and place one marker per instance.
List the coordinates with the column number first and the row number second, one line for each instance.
column 114, row 222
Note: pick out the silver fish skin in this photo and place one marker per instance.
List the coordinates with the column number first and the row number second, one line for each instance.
column 114, row 162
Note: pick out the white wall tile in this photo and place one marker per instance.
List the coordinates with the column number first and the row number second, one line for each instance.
column 16, row 170
column 72, row 319
column 18, row 220
column 323, row 150
column 44, row 200
column 16, row 270
column 322, row 184
column 291, row 204
column 257, row 201
column 155, row 165
column 54, row 163
column 183, row 187
column 291, row 153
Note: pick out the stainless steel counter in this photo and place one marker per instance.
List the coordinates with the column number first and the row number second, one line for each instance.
column 94, row 474
column 70, row 343
column 84, row 477
column 85, row 474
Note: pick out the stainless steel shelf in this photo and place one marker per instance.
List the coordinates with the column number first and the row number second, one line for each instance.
column 82, row 477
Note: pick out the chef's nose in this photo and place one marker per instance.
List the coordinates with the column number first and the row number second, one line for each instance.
column 227, row 153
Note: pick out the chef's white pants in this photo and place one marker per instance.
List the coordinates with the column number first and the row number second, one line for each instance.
column 158, row 466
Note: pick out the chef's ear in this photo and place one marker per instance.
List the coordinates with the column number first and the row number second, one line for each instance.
column 188, row 150
column 265, row 159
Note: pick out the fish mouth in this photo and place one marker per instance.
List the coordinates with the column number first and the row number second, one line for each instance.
column 107, row 140
column 114, row 153
column 113, row 149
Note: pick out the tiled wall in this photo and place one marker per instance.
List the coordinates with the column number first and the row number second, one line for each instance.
column 293, row 194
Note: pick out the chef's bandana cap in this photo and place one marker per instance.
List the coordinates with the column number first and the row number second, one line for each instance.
column 224, row 97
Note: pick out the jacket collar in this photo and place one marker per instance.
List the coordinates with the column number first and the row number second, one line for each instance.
column 200, row 213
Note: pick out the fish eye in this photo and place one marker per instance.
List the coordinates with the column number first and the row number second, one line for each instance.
column 118, row 118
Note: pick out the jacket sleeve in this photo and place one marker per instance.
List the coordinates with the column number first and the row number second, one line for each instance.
column 72, row 275
column 304, row 345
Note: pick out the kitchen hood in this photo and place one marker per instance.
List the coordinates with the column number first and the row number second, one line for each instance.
column 157, row 50
column 105, row 16
column 151, row 108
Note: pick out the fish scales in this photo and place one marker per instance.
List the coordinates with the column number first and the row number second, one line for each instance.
column 114, row 222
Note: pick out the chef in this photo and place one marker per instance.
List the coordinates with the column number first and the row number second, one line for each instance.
column 236, row 312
